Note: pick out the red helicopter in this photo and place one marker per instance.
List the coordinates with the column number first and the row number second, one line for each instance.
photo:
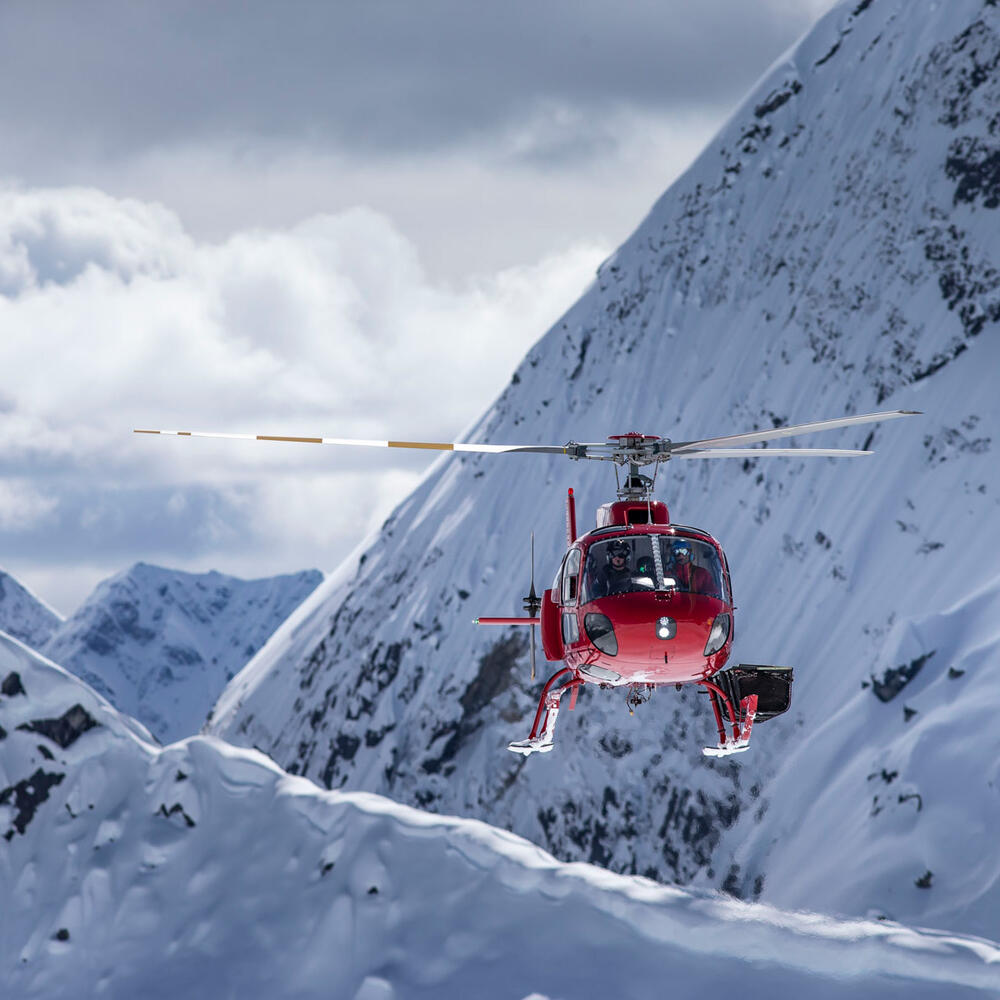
column 639, row 602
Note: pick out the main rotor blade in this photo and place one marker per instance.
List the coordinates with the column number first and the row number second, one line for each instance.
column 755, row 437
column 492, row 449
column 771, row 453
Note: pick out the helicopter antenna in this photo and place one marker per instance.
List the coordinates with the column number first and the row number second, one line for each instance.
column 532, row 604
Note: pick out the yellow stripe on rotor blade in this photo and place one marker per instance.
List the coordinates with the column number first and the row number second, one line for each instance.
column 421, row 444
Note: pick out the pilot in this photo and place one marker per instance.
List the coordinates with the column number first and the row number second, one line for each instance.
column 690, row 577
column 615, row 577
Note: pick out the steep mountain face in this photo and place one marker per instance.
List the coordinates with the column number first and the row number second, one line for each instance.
column 832, row 251
column 161, row 644
column 129, row 870
column 23, row 615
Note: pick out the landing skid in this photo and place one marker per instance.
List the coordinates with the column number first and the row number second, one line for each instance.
column 740, row 739
column 740, row 696
column 541, row 739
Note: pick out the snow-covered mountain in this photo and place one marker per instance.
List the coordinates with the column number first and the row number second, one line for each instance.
column 834, row 250
column 127, row 870
column 161, row 644
column 23, row 615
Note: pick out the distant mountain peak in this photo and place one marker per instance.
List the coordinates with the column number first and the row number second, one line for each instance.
column 24, row 615
column 162, row 643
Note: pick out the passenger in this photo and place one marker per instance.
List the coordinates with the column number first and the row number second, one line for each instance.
column 615, row 577
column 694, row 579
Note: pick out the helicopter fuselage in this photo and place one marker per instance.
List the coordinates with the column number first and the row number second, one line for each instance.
column 646, row 619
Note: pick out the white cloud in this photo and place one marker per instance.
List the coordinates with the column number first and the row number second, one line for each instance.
column 22, row 507
column 115, row 317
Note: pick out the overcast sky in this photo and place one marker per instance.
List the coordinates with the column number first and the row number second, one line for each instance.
column 270, row 216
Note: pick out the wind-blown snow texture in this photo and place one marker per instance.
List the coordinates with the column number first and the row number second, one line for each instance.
column 832, row 251
column 161, row 644
column 127, row 870
column 23, row 615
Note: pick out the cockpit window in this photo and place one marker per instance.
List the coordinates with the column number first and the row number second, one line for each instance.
column 629, row 564
column 571, row 570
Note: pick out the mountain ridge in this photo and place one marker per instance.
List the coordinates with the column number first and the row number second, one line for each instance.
column 829, row 253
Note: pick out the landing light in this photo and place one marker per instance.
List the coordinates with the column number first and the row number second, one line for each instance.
column 666, row 628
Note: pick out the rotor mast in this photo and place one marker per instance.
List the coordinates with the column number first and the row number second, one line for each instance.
column 633, row 450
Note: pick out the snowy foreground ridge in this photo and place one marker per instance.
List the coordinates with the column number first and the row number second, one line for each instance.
column 127, row 870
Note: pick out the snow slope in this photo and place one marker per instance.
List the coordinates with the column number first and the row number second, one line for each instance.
column 832, row 251
column 129, row 870
column 161, row 644
column 23, row 615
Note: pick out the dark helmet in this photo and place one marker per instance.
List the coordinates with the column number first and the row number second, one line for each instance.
column 617, row 548
column 682, row 547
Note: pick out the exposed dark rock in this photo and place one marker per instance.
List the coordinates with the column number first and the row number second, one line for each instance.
column 976, row 168
column 27, row 796
column 924, row 882
column 833, row 51
column 584, row 344
column 175, row 810
column 375, row 675
column 65, row 730
column 12, row 685
column 343, row 747
column 61, row 935
column 777, row 99
column 375, row 736
column 496, row 673
column 887, row 776
column 731, row 884
column 895, row 679
column 182, row 655
column 614, row 745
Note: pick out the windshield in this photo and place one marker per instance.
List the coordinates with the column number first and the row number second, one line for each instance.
column 651, row 562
